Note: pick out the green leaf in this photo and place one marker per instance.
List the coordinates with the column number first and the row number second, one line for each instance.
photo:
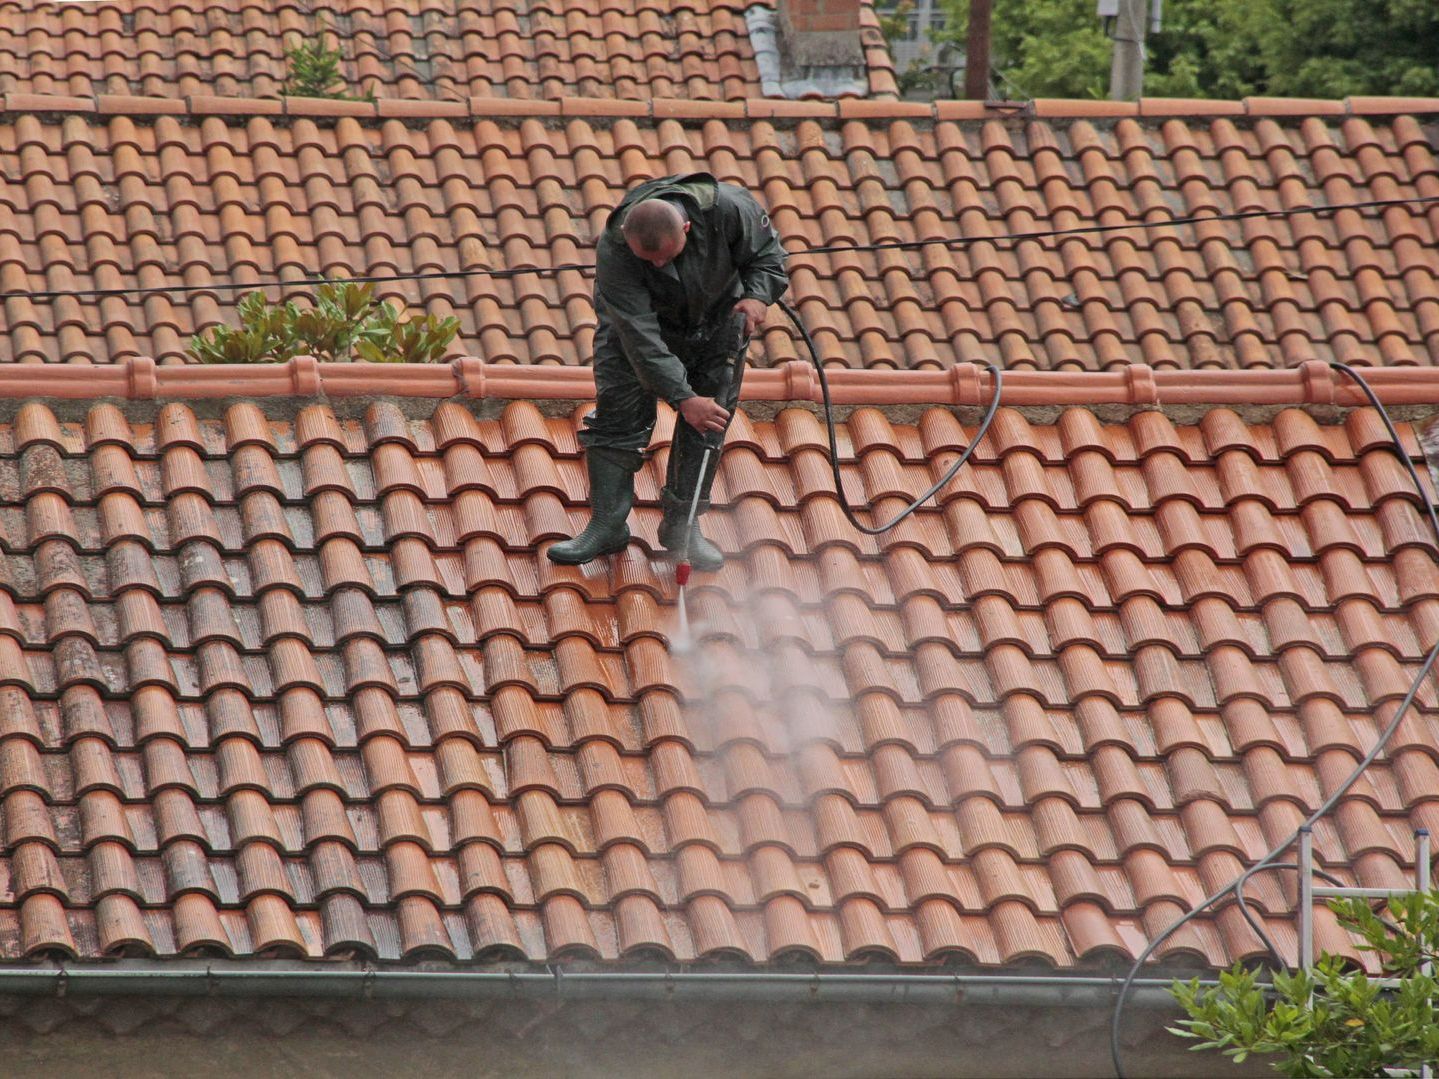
column 343, row 322
column 1331, row 1020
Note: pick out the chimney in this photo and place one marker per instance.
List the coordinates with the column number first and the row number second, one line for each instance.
column 820, row 33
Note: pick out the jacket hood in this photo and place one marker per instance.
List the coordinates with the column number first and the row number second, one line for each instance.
column 698, row 190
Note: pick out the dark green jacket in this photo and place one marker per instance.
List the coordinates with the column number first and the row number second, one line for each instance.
column 731, row 253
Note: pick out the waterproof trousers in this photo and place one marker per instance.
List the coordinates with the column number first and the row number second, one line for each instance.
column 624, row 416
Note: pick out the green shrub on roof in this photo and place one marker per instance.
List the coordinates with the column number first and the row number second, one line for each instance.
column 314, row 70
column 342, row 324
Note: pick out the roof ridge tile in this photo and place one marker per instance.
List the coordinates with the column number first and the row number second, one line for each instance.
column 140, row 378
column 684, row 108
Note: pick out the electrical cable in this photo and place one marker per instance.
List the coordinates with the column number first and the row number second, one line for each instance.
column 586, row 268
column 874, row 530
column 1268, row 861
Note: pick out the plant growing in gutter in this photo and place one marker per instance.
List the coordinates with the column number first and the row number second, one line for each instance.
column 1333, row 1020
column 344, row 323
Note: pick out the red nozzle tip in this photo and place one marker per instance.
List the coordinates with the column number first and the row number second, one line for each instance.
column 682, row 573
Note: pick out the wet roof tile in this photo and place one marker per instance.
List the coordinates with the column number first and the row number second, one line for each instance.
column 114, row 201
column 304, row 684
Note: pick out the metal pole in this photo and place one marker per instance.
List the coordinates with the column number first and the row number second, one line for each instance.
column 1306, row 897
column 1126, row 73
column 976, row 54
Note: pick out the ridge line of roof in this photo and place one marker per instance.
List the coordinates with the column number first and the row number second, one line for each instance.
column 478, row 108
column 965, row 384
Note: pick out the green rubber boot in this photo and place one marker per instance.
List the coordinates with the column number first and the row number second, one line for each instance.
column 612, row 493
column 703, row 555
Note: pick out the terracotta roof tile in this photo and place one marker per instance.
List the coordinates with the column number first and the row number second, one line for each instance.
column 1017, row 739
column 297, row 681
column 443, row 52
column 262, row 202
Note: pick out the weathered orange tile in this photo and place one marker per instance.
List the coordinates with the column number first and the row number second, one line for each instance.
column 1166, row 319
column 1023, row 726
column 1050, row 107
column 1386, row 106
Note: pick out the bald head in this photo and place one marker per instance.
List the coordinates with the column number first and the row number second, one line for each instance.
column 655, row 231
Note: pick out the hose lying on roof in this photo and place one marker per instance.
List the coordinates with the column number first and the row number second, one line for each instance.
column 1235, row 888
column 874, row 530
column 683, row 641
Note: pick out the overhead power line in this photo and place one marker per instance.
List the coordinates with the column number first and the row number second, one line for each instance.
column 1009, row 239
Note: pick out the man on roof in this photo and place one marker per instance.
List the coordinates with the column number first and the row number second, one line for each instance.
column 686, row 268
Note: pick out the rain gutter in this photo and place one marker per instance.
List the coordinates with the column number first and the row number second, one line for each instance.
column 151, row 978
column 965, row 384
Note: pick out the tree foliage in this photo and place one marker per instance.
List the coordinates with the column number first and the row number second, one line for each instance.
column 1220, row 48
column 342, row 324
column 1333, row 1021
column 916, row 78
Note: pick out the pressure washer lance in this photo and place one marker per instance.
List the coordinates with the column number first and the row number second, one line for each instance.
column 713, row 441
column 683, row 643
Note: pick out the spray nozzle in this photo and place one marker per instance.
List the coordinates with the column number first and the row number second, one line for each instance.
column 682, row 573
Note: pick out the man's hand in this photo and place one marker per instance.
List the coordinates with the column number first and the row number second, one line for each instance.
column 753, row 312
column 704, row 414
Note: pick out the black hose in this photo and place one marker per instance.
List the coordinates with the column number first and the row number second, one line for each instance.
column 1236, row 886
column 1242, row 902
column 1396, row 443
column 874, row 530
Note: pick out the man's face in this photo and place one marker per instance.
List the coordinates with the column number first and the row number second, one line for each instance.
column 668, row 251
